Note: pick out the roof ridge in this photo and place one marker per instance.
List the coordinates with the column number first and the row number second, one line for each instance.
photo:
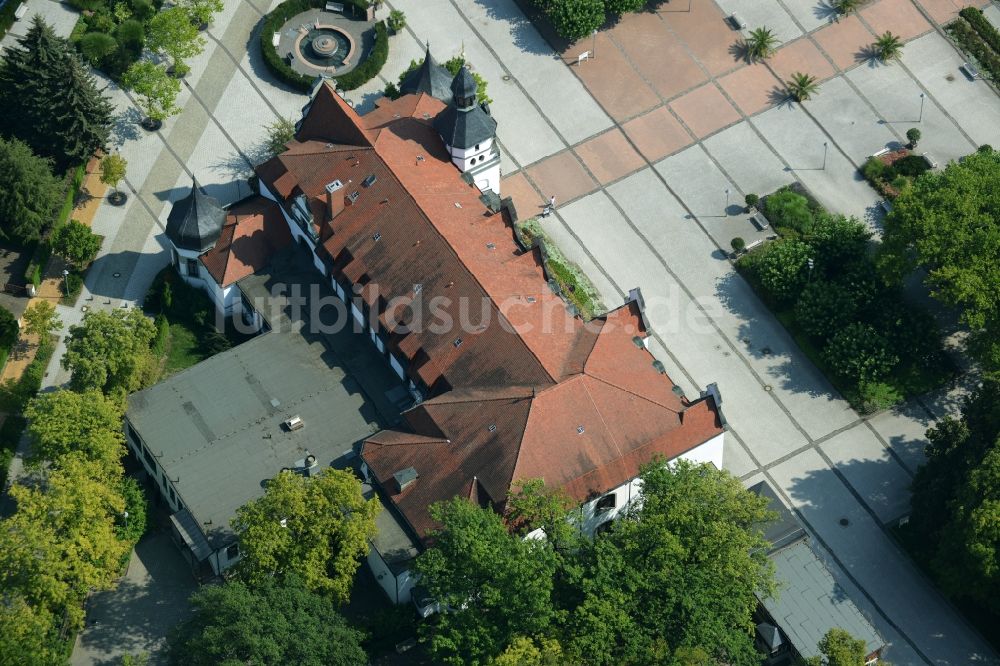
column 475, row 278
column 631, row 392
column 491, row 395
column 600, row 414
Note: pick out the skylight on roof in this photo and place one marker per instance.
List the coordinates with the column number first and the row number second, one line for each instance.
column 492, row 427
column 377, row 237
column 530, row 299
column 353, row 196
column 457, row 343
column 417, row 288
column 491, row 246
column 580, row 430
column 369, row 181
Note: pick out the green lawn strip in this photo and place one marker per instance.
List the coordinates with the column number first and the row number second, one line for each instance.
column 573, row 284
column 183, row 349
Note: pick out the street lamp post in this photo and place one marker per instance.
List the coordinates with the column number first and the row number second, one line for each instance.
column 921, row 118
column 825, row 147
column 593, row 45
column 66, row 281
column 726, row 211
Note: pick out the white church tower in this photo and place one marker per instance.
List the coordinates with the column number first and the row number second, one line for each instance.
column 469, row 134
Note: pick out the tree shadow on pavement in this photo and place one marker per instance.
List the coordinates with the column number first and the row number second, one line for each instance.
column 138, row 614
column 525, row 35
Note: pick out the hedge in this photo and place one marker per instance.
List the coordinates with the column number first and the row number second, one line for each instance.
column 970, row 42
column 360, row 75
column 985, row 29
column 42, row 251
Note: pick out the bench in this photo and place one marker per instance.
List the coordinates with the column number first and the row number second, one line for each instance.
column 737, row 22
column 275, row 39
column 759, row 220
column 931, row 162
column 969, row 70
column 884, row 151
column 756, row 243
column 20, row 12
column 335, row 7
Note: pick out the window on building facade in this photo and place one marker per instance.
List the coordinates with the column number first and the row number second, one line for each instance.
column 192, row 267
column 233, row 551
column 607, row 502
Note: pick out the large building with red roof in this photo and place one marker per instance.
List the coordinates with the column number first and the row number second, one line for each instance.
column 400, row 212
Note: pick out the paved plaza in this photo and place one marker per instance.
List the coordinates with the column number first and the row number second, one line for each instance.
column 649, row 148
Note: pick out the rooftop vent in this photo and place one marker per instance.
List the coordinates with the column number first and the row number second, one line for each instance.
column 658, row 366
column 294, row 423
column 377, row 237
column 404, row 478
column 637, row 341
column 369, row 181
column 492, row 427
column 580, row 430
column 457, row 343
column 417, row 288
column 334, row 186
column 353, row 196
column 491, row 246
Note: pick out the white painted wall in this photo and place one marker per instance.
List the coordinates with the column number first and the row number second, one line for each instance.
column 397, row 587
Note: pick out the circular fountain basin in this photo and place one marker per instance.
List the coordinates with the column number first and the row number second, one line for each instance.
column 324, row 47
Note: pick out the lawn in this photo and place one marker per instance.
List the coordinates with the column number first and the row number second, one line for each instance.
column 184, row 348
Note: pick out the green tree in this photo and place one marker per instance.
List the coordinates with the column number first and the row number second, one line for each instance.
column 157, row 90
column 824, row 308
column 274, row 623
column 61, row 113
column 782, row 268
column 279, row 133
column 845, row 7
column 63, row 421
column 201, row 12
column 858, row 352
column 760, row 44
column 681, row 570
column 576, row 19
column 496, row 586
column 839, row 242
column 96, row 46
column 316, row 528
column 109, row 350
column 787, row 208
column 457, row 63
column 76, row 243
column 41, row 319
column 913, row 136
column 888, row 46
column 172, row 33
column 31, row 194
column 113, row 168
column 61, row 541
column 28, row 636
column 802, row 86
column 949, row 223
column 533, row 505
column 524, row 651
column 839, row 648
column 9, row 329
column 956, row 495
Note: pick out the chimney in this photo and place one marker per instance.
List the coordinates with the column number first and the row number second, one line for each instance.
column 334, row 201
column 405, row 478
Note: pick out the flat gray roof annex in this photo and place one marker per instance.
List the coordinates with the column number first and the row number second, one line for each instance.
column 810, row 602
column 216, row 428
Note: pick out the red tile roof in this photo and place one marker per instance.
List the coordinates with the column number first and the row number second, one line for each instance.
column 515, row 383
column 254, row 230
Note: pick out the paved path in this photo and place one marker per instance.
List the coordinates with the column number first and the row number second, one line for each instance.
column 640, row 157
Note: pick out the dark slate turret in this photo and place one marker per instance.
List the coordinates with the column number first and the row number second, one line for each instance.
column 195, row 222
column 464, row 123
column 430, row 78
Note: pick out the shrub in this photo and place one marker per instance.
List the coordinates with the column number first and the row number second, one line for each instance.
column 575, row 19
column 823, row 308
column 911, row 166
column 162, row 334
column 875, row 169
column 751, row 200
column 859, row 353
column 782, row 269
column 876, row 396
column 96, row 46
column 985, row 29
column 786, row 208
column 913, row 135
column 8, row 330
column 131, row 34
column 738, row 244
column 837, row 241
column 985, row 148
column 397, row 20
column 143, row 10
column 72, row 284
column 138, row 511
column 623, row 6
column 972, row 43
